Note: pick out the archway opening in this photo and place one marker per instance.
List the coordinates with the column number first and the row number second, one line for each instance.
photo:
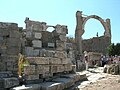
column 93, row 28
column 50, row 29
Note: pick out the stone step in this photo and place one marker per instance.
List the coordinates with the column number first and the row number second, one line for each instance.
column 60, row 83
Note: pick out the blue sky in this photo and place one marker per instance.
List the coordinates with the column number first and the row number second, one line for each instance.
column 63, row 12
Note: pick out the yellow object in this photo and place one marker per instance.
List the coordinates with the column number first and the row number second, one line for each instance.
column 22, row 61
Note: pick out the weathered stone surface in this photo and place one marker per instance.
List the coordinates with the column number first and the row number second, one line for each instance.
column 28, row 34
column 35, row 25
column 12, row 65
column 111, row 69
column 51, row 86
column 29, row 51
column 13, row 50
column 29, row 69
column 14, row 34
column 4, row 32
column 67, row 82
column 54, row 61
column 61, row 29
column 37, row 43
column 36, row 52
column 56, row 68
column 63, row 38
column 37, row 35
column 12, row 26
column 42, row 69
column 38, row 60
column 5, row 74
column 60, row 54
column 32, row 77
column 51, row 45
column 60, row 45
column 3, row 49
column 68, row 67
column 28, row 87
column 60, row 68
column 9, row 58
column 39, row 69
column 8, row 82
column 47, row 53
column 13, row 42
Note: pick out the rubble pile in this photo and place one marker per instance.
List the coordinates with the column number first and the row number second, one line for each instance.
column 113, row 69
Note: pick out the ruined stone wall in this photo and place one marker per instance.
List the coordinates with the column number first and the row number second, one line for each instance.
column 96, row 44
column 37, row 38
column 46, row 51
column 10, row 43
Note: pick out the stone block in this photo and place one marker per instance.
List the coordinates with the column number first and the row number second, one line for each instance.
column 56, row 68
column 75, row 77
column 61, row 29
column 3, row 66
column 54, row 61
column 7, row 58
column 4, row 32
column 50, row 53
column 68, row 67
column 66, row 82
column 51, row 45
column 1, row 40
column 53, row 68
column 51, row 86
column 43, row 70
column 12, row 65
column 29, row 51
column 47, row 53
column 32, row 77
column 39, row 69
column 3, row 49
column 37, row 35
column 37, row 43
column 64, row 60
column 60, row 45
column 60, row 54
column 13, row 50
column 13, row 42
column 60, row 68
column 9, row 82
column 36, row 52
column 28, row 87
column 14, row 34
column 29, row 69
column 63, row 38
column 5, row 74
column 29, row 34
column 38, row 60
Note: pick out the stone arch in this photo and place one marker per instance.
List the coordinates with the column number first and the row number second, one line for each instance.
column 104, row 24
column 79, row 31
column 94, row 17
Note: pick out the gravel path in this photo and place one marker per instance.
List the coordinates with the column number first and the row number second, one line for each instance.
column 99, row 81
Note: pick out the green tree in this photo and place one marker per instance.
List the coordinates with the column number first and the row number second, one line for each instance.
column 113, row 49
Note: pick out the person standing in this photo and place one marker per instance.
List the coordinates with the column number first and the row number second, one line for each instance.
column 86, row 59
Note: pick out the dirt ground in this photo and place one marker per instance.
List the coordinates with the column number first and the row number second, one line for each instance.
column 110, row 82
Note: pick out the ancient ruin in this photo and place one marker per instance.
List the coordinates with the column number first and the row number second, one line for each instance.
column 96, row 44
column 45, row 59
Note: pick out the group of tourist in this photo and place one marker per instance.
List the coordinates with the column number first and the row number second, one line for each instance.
column 109, row 60
column 103, row 60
